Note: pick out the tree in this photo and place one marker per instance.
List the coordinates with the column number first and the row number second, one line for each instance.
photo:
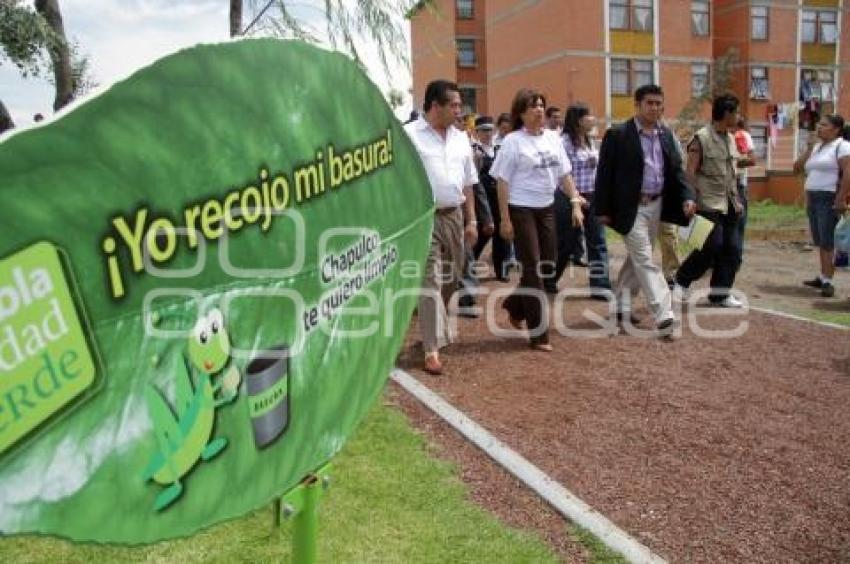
column 60, row 53
column 23, row 35
column 34, row 41
column 687, row 121
column 6, row 121
column 235, row 18
column 344, row 21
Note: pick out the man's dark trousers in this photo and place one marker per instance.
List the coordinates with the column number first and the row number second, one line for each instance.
column 720, row 254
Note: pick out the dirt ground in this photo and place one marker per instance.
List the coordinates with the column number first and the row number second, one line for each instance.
column 705, row 449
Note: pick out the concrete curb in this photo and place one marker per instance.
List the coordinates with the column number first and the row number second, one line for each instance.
column 798, row 318
column 564, row 501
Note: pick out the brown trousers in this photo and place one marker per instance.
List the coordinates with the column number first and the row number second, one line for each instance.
column 535, row 242
column 443, row 271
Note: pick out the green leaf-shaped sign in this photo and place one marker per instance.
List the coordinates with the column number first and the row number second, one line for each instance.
column 206, row 273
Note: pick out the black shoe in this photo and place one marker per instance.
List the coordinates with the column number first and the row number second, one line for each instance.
column 667, row 329
column 813, row 283
column 827, row 290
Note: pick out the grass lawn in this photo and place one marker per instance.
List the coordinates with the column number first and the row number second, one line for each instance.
column 599, row 553
column 389, row 502
column 828, row 317
column 768, row 215
column 763, row 215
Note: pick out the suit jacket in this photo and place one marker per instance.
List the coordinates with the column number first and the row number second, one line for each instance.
column 619, row 177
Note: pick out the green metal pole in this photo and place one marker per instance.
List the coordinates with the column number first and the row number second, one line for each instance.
column 301, row 506
column 307, row 524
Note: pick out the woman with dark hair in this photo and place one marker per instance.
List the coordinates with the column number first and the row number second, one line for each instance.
column 826, row 163
column 529, row 166
column 578, row 124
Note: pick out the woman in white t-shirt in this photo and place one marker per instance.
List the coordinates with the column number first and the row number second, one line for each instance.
column 827, row 156
column 529, row 166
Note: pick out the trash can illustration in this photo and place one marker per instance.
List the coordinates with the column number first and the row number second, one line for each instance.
column 267, row 382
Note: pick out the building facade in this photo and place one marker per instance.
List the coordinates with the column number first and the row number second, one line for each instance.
column 787, row 60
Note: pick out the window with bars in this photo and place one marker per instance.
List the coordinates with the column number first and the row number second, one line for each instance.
column 759, row 135
column 466, row 52
column 468, row 100
column 700, row 18
column 759, row 22
column 629, row 74
column 699, row 79
column 828, row 27
column 634, row 15
column 641, row 73
column 465, row 9
column 819, row 26
column 817, row 85
column 620, row 77
column 759, row 85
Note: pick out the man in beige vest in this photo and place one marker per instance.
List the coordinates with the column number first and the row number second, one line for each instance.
column 711, row 170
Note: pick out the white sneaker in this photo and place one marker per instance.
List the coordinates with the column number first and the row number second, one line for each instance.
column 680, row 293
column 730, row 301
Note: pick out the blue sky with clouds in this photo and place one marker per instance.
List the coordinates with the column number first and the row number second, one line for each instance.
column 121, row 36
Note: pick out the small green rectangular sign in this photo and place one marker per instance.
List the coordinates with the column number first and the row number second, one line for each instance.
column 45, row 361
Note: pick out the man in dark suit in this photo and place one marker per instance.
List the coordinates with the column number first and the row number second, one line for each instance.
column 639, row 182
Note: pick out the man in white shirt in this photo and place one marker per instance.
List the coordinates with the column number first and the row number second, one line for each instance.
column 447, row 157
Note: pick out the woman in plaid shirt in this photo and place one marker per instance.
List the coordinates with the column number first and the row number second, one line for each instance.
column 583, row 156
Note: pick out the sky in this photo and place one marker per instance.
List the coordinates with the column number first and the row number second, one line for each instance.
column 121, row 36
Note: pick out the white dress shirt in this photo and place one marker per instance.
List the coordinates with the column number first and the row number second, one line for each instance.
column 448, row 162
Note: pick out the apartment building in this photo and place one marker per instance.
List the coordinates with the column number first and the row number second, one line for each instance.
column 789, row 60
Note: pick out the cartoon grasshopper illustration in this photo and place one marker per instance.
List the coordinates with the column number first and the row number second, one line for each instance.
column 183, row 435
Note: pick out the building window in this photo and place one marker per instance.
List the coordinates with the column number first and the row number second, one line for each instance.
column 759, row 85
column 817, row 85
column 819, row 27
column 759, row 22
column 635, row 15
column 699, row 79
column 828, row 27
column 642, row 15
column 759, row 135
column 465, row 9
column 468, row 101
column 466, row 52
column 810, row 26
column 620, row 77
column 627, row 75
column 641, row 73
column 700, row 18
column 618, row 15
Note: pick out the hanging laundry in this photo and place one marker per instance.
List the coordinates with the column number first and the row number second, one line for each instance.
column 788, row 114
column 771, row 111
